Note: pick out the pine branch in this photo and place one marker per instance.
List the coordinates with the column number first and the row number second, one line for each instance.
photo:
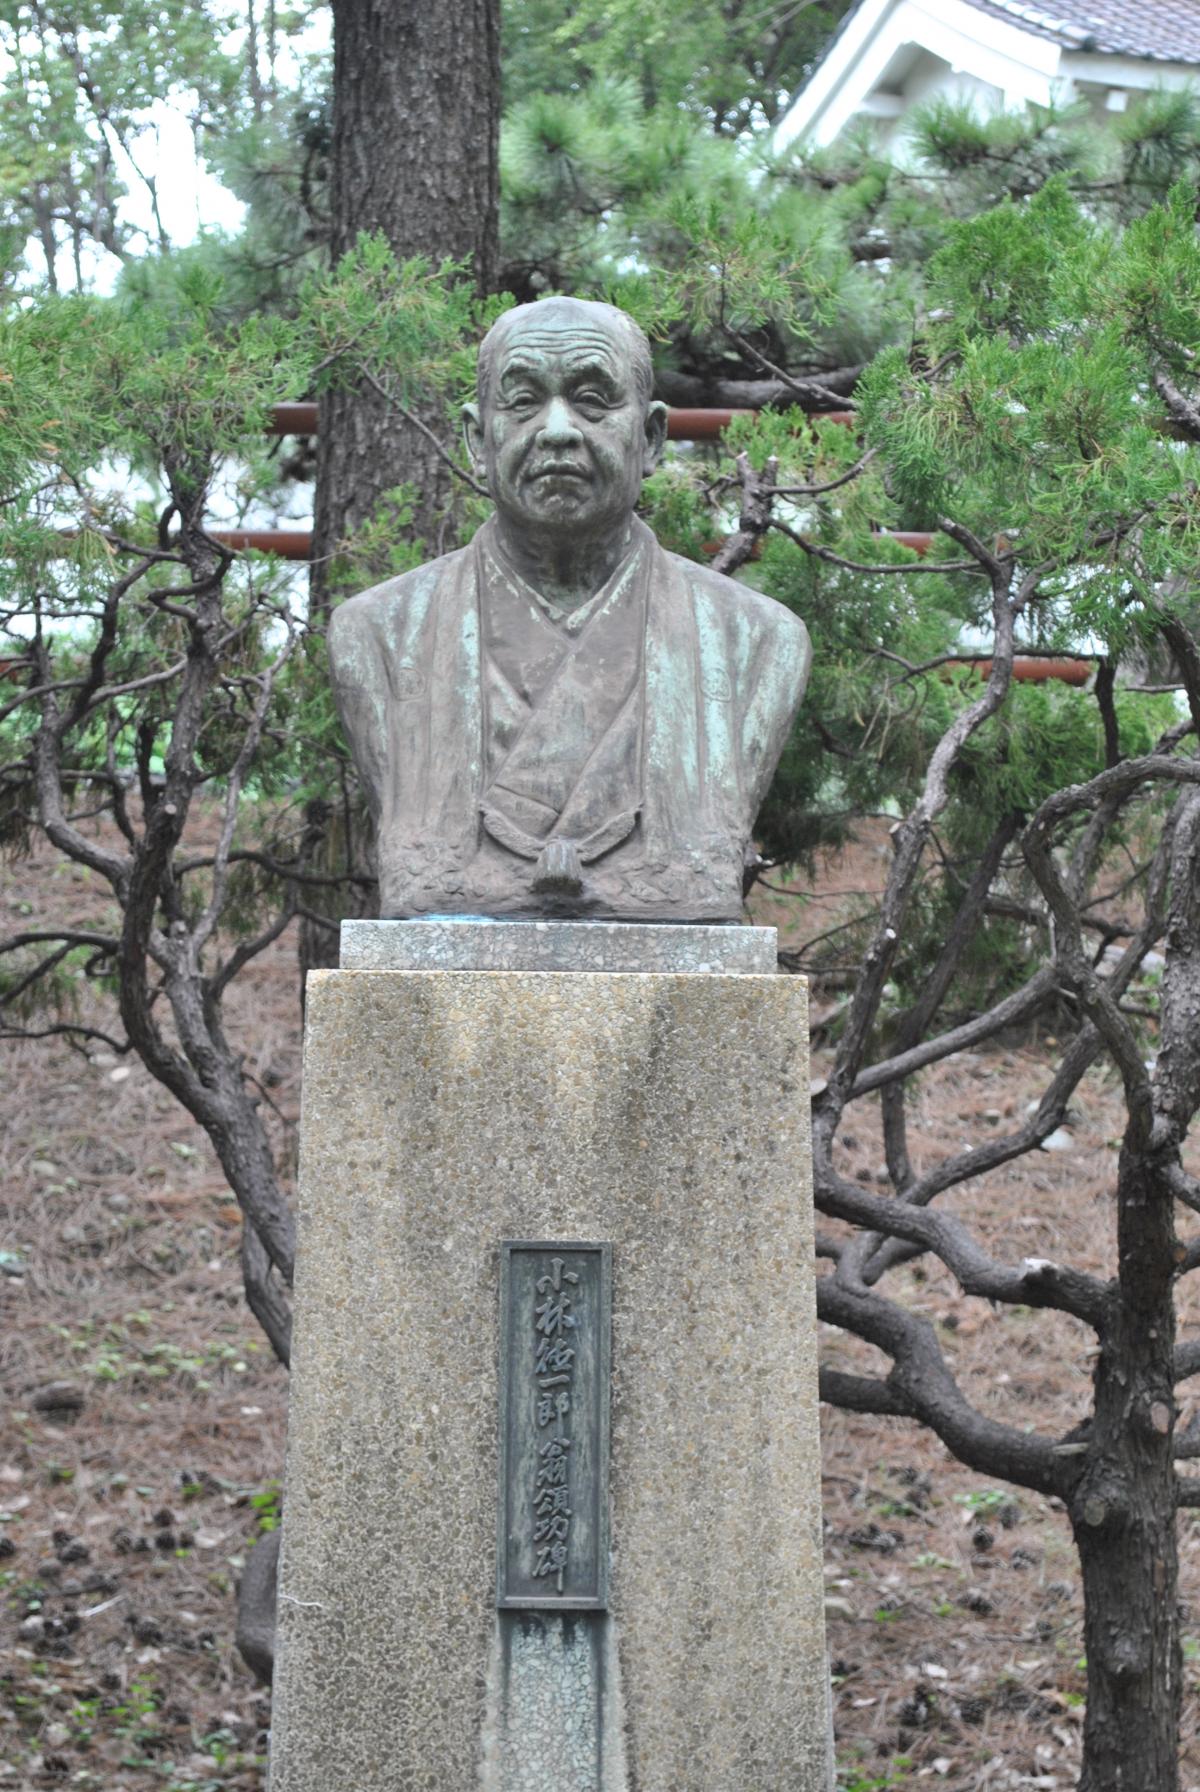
column 863, row 1393
column 818, row 552
column 693, row 391
column 754, row 519
column 1035, row 1282
column 923, row 1378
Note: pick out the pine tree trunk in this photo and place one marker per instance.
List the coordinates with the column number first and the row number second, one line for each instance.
column 1123, row 1512
column 416, row 110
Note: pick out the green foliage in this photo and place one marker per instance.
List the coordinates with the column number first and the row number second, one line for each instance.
column 737, row 267
column 996, row 272
column 1040, row 427
column 673, row 505
column 852, row 1778
column 268, row 1505
column 1046, row 736
column 1159, row 142
column 409, row 322
column 1005, row 154
column 1152, row 288
column 382, row 548
column 731, row 65
column 586, row 178
column 112, row 406
column 125, row 1350
column 984, row 1500
column 160, row 370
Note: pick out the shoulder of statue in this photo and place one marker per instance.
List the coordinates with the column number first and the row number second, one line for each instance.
column 765, row 615
column 359, row 620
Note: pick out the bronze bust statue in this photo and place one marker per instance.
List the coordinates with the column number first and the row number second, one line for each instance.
column 562, row 719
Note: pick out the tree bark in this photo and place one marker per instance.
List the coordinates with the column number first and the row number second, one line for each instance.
column 416, row 111
column 812, row 392
column 1123, row 1510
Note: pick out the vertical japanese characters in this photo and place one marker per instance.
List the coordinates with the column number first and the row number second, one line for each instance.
column 553, row 1370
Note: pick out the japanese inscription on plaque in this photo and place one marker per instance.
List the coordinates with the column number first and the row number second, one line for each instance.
column 555, row 1317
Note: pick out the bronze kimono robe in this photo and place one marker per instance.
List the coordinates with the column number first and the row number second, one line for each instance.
column 638, row 734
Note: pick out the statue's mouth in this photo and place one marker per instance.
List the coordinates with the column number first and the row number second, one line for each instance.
column 559, row 472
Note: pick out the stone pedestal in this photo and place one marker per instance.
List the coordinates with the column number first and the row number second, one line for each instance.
column 665, row 1113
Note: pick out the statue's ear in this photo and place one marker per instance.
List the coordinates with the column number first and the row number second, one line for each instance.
column 656, row 436
column 473, row 433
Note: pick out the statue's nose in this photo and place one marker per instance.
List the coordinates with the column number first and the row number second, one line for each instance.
column 558, row 425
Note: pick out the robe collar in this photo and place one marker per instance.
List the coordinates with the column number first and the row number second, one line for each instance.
column 566, row 787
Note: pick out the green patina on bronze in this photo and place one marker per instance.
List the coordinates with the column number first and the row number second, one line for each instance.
column 563, row 719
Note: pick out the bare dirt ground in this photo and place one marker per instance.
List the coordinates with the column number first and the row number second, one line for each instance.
column 129, row 1496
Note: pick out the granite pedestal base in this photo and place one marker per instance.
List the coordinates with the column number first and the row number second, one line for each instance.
column 667, row 1114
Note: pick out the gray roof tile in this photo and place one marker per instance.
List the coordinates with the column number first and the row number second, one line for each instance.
column 1158, row 30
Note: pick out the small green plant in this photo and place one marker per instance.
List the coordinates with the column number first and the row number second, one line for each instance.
column 267, row 1504
column 136, row 1723
column 83, row 1717
column 983, row 1499
column 221, row 1745
column 119, row 1353
column 860, row 1779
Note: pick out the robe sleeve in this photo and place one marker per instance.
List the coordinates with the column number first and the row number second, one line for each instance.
column 359, row 676
column 776, row 681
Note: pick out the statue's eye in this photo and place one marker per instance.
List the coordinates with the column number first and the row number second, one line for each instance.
column 590, row 399
column 521, row 398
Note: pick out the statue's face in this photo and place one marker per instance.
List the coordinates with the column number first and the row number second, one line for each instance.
column 564, row 438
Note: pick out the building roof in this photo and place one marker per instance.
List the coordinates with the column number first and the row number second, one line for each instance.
column 1152, row 30
column 1025, row 51
column 1158, row 30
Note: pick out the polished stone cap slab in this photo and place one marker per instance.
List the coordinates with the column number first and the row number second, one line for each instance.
column 481, row 945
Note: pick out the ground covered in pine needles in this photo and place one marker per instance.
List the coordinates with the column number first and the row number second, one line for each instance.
column 142, row 1424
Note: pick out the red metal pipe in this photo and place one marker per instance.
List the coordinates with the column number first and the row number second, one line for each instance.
column 919, row 540
column 700, row 425
column 288, row 544
column 293, row 420
column 1029, row 670
column 697, row 425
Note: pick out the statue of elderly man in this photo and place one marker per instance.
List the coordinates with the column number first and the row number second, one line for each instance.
column 563, row 719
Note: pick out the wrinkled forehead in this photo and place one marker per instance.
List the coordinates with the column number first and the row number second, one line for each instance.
column 561, row 346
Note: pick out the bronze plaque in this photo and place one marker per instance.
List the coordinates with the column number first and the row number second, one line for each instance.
column 555, row 1332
